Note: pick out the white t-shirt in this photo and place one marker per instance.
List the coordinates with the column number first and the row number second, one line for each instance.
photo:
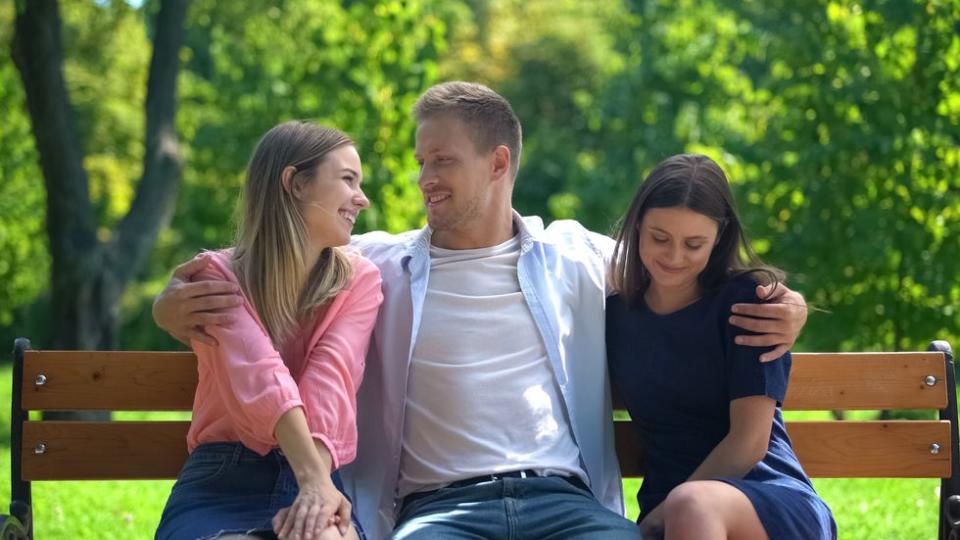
column 508, row 415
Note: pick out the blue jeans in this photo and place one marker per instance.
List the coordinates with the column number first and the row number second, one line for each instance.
column 538, row 508
column 226, row 488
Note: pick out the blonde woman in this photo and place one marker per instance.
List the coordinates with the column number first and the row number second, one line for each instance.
column 275, row 410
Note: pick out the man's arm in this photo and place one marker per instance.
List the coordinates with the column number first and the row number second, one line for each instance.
column 777, row 322
column 183, row 308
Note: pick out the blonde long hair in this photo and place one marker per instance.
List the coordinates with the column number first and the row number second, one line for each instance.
column 272, row 239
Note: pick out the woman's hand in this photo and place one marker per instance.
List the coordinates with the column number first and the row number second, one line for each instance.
column 652, row 526
column 319, row 505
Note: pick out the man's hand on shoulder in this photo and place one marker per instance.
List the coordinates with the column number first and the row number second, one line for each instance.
column 777, row 322
column 184, row 308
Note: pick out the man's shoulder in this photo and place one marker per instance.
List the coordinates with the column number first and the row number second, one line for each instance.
column 569, row 227
column 572, row 233
column 382, row 247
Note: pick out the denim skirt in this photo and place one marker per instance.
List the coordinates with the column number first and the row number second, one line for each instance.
column 226, row 488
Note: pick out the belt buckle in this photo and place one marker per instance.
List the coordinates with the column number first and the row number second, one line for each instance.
column 512, row 474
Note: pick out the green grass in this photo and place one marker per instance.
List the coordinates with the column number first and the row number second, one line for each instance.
column 864, row 508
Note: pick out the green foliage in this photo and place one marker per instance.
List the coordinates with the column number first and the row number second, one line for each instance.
column 551, row 60
column 107, row 55
column 854, row 171
column 24, row 261
column 838, row 126
column 837, row 122
column 358, row 66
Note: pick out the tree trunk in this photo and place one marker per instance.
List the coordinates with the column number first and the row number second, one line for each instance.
column 89, row 276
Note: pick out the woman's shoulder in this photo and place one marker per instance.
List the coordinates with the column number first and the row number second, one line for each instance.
column 739, row 288
column 362, row 266
column 365, row 272
column 615, row 301
column 618, row 307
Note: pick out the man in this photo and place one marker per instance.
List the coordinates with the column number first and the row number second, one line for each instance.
column 485, row 409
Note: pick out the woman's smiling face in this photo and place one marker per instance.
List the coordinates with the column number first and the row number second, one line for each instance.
column 675, row 245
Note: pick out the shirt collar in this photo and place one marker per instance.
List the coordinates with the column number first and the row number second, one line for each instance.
column 530, row 230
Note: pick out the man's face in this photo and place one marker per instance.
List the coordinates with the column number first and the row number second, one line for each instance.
column 454, row 176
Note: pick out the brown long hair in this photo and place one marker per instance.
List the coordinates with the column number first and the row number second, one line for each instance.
column 272, row 239
column 695, row 182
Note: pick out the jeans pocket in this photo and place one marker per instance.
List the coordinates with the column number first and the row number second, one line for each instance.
column 199, row 471
column 413, row 503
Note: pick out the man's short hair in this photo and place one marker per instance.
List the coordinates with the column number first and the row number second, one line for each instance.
column 488, row 115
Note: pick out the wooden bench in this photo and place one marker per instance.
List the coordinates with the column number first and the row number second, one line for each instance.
column 865, row 449
column 166, row 381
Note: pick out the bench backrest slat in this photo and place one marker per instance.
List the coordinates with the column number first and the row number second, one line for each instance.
column 854, row 381
column 113, row 380
column 865, row 381
column 103, row 450
column 167, row 381
column 127, row 450
column 871, row 449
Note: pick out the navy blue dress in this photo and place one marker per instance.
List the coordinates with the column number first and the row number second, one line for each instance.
column 677, row 374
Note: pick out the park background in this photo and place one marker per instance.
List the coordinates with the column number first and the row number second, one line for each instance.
column 838, row 123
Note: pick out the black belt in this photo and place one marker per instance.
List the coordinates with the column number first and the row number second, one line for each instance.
column 526, row 473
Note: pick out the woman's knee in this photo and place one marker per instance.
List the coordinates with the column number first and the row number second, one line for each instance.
column 689, row 498
column 712, row 509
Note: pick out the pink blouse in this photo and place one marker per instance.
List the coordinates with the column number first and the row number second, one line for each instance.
column 246, row 385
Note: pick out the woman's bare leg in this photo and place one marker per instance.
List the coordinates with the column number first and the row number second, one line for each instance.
column 710, row 509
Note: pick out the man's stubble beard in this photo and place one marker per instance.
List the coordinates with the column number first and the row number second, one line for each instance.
column 459, row 218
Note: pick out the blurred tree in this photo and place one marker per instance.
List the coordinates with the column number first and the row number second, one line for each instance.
column 91, row 266
column 358, row 66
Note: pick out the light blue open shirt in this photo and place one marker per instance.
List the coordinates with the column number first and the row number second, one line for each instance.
column 562, row 275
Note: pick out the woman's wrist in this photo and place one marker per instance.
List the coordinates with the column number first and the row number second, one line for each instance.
column 313, row 476
column 310, row 464
column 311, row 467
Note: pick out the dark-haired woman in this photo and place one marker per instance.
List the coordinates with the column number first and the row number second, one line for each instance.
column 719, row 463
